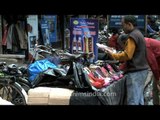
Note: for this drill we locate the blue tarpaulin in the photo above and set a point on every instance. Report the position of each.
(39, 66)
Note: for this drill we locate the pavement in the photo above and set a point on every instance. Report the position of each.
(19, 60)
(5, 102)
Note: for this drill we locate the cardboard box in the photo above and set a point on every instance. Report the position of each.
(38, 96)
(49, 96)
(59, 96)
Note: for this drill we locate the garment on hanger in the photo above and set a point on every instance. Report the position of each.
(21, 36)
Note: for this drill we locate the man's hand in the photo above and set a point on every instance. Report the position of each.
(109, 54)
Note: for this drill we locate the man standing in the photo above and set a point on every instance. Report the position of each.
(136, 63)
(153, 58)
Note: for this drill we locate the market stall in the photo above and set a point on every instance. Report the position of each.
(115, 94)
(110, 95)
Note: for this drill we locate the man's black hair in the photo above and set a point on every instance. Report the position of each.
(130, 18)
(122, 39)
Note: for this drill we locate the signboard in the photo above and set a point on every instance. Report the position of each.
(32, 26)
(84, 36)
(115, 21)
(49, 29)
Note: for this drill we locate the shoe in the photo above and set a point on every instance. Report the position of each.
(107, 82)
(97, 74)
(87, 70)
(112, 72)
(105, 72)
(91, 75)
(99, 71)
(115, 77)
(96, 79)
(110, 69)
(96, 84)
(120, 76)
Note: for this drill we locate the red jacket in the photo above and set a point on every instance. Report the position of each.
(153, 56)
(112, 42)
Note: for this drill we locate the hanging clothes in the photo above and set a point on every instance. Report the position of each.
(14, 38)
(22, 36)
(4, 39)
(15, 41)
(9, 37)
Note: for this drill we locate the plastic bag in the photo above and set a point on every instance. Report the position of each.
(54, 59)
(39, 66)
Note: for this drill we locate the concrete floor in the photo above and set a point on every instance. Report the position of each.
(4, 102)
